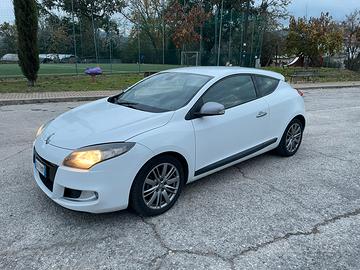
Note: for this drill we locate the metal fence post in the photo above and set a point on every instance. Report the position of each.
(74, 36)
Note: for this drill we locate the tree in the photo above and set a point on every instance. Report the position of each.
(184, 23)
(91, 16)
(275, 8)
(54, 34)
(274, 45)
(241, 19)
(147, 19)
(99, 9)
(314, 37)
(351, 27)
(8, 38)
(26, 20)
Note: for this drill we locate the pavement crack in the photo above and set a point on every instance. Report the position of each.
(275, 189)
(13, 155)
(57, 245)
(243, 174)
(161, 257)
(171, 251)
(314, 230)
(334, 157)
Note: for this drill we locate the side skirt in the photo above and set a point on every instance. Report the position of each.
(235, 157)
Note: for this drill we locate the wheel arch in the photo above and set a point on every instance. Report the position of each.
(301, 118)
(179, 157)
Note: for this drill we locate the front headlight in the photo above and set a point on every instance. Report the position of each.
(42, 128)
(85, 158)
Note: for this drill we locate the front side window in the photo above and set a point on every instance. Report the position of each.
(265, 85)
(231, 91)
(167, 91)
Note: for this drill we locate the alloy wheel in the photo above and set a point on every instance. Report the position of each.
(293, 137)
(161, 186)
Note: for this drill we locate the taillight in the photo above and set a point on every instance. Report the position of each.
(301, 93)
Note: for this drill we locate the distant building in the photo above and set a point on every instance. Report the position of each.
(44, 58)
(10, 58)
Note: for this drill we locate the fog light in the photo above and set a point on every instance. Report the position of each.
(72, 193)
(80, 195)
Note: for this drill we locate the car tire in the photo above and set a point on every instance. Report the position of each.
(291, 139)
(157, 186)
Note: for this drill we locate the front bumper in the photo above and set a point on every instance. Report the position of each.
(103, 188)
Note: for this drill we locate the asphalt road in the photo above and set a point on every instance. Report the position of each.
(301, 212)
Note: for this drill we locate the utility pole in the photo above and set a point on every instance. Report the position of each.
(110, 50)
(220, 32)
(94, 34)
(163, 32)
(183, 46)
(201, 43)
(201, 37)
(80, 33)
(230, 41)
(245, 33)
(216, 31)
(138, 36)
(74, 36)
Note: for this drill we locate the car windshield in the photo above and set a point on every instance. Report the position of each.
(167, 91)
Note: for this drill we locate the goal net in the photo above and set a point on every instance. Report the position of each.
(190, 58)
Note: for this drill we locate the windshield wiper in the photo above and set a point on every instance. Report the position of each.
(135, 105)
(126, 103)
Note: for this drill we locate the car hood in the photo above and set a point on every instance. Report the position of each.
(100, 122)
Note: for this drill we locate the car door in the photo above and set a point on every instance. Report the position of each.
(221, 138)
(265, 87)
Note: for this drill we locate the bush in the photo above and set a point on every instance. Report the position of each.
(329, 63)
(353, 64)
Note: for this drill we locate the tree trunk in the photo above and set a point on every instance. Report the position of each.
(31, 83)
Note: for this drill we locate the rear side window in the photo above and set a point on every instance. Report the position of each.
(231, 91)
(265, 85)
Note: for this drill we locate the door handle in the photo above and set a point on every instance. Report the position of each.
(261, 114)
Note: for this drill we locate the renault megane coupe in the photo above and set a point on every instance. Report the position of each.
(140, 147)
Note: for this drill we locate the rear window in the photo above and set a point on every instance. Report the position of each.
(265, 85)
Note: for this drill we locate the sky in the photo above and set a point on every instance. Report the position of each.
(299, 8)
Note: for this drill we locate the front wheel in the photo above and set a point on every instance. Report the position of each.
(291, 139)
(157, 186)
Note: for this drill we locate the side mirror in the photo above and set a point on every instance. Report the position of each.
(211, 108)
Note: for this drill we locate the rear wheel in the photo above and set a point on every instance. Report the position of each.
(291, 139)
(157, 186)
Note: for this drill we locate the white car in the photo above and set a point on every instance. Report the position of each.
(140, 147)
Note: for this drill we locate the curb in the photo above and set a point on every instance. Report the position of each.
(326, 87)
(7, 102)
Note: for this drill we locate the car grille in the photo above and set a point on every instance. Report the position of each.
(51, 169)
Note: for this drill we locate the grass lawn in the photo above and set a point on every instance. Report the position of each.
(13, 70)
(70, 83)
(327, 74)
(60, 77)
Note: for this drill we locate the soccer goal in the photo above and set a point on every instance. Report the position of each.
(190, 58)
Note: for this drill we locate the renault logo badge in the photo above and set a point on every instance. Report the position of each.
(47, 141)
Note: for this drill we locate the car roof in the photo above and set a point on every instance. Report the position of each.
(219, 72)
